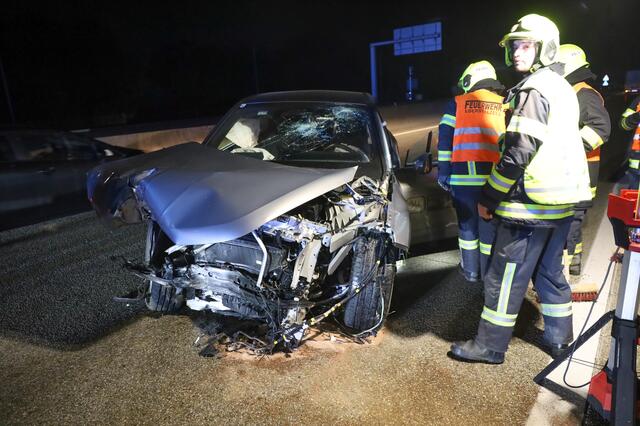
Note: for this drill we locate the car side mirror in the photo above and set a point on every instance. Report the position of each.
(429, 162)
(424, 164)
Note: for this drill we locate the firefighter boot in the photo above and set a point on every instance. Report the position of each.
(576, 264)
(469, 276)
(558, 349)
(471, 351)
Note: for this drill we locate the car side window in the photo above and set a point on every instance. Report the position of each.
(37, 148)
(80, 149)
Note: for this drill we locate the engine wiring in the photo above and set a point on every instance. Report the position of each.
(286, 335)
(286, 312)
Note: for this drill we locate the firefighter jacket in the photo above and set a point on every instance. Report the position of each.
(631, 120)
(468, 135)
(595, 125)
(543, 171)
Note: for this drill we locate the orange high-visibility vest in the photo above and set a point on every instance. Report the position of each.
(479, 124)
(636, 136)
(593, 155)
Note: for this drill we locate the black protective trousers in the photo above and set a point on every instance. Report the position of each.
(521, 253)
(574, 240)
(475, 235)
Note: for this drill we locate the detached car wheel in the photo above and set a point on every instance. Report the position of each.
(365, 312)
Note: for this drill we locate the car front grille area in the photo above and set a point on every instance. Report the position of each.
(242, 254)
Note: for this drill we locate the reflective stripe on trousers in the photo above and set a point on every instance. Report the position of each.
(517, 253)
(475, 234)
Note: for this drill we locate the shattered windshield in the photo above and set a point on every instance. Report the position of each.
(298, 132)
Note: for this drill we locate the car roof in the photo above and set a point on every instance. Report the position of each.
(39, 131)
(330, 96)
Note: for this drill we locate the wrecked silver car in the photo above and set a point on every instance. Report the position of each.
(288, 213)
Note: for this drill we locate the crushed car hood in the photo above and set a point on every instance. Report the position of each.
(200, 195)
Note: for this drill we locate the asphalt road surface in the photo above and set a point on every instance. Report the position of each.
(70, 355)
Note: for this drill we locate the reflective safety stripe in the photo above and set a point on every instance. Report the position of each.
(548, 189)
(471, 166)
(505, 287)
(444, 155)
(479, 123)
(578, 248)
(476, 146)
(534, 211)
(468, 180)
(500, 319)
(476, 131)
(624, 125)
(527, 126)
(560, 160)
(634, 164)
(448, 120)
(593, 191)
(623, 121)
(592, 138)
(485, 248)
(499, 182)
(556, 310)
(552, 191)
(468, 244)
(566, 260)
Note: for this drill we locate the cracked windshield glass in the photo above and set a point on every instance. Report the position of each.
(295, 132)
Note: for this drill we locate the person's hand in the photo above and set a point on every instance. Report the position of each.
(443, 181)
(484, 212)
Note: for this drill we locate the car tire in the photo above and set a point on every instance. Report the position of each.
(362, 313)
(159, 298)
(163, 298)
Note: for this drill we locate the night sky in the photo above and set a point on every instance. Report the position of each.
(95, 64)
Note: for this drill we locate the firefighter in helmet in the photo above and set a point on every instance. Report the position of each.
(595, 128)
(532, 191)
(467, 151)
(630, 120)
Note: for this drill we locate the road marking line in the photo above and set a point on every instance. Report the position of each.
(406, 132)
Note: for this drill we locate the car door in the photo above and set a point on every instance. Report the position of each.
(82, 156)
(433, 219)
(27, 175)
(398, 213)
(15, 191)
